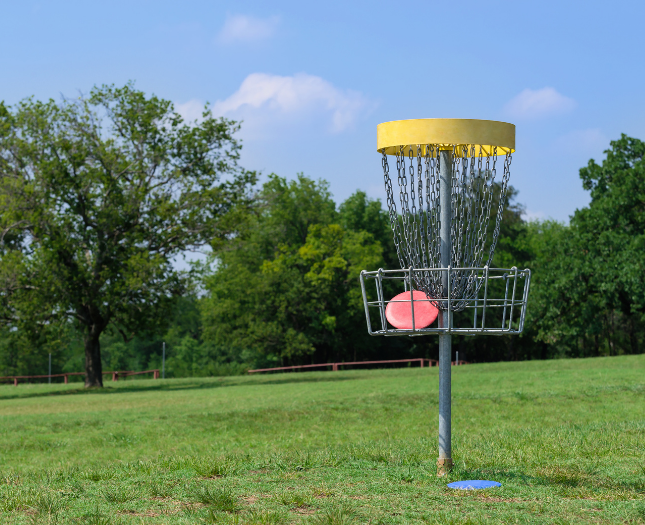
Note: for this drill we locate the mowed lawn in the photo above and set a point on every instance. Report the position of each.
(566, 439)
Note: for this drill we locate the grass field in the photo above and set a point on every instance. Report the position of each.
(565, 438)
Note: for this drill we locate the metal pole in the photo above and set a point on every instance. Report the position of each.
(444, 463)
(163, 362)
(49, 379)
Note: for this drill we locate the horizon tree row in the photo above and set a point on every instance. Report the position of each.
(98, 196)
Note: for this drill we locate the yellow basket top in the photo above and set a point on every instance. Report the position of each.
(446, 132)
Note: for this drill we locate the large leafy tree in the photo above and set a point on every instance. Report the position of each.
(590, 296)
(97, 196)
(610, 235)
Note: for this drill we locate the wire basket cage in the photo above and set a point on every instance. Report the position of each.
(499, 308)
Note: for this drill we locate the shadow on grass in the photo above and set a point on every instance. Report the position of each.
(189, 384)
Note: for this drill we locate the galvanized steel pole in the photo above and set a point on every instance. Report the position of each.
(444, 463)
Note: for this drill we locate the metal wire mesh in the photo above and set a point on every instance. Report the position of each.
(416, 228)
(498, 309)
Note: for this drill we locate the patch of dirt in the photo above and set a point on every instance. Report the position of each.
(147, 514)
(304, 510)
(358, 497)
(251, 499)
(172, 501)
(495, 499)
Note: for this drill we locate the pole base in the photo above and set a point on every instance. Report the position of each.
(444, 466)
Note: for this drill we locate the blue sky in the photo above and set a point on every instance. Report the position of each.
(311, 80)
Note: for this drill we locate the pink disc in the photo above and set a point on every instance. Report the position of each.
(399, 314)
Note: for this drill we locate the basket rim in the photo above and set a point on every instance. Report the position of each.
(446, 133)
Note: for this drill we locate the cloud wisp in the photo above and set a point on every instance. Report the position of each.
(538, 103)
(530, 216)
(191, 111)
(245, 29)
(274, 98)
(590, 141)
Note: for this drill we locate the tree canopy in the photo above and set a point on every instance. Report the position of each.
(286, 288)
(97, 195)
(591, 291)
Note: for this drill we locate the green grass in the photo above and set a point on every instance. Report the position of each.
(565, 438)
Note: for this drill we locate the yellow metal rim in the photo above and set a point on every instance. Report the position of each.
(485, 135)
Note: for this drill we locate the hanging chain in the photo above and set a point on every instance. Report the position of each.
(391, 205)
(502, 203)
(416, 229)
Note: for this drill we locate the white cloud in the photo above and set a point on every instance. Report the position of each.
(241, 28)
(191, 110)
(539, 103)
(272, 98)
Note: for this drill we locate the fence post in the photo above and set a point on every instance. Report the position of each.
(65, 378)
(115, 376)
(334, 367)
(421, 362)
(15, 381)
(155, 374)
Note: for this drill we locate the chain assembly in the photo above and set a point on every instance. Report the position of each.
(475, 194)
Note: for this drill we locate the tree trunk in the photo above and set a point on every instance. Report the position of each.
(611, 333)
(93, 366)
(462, 349)
(633, 338)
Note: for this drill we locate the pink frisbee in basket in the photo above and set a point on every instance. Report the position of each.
(399, 314)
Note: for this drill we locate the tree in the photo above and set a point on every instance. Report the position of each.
(359, 213)
(611, 234)
(97, 195)
(589, 298)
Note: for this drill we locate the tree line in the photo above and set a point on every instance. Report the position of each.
(100, 195)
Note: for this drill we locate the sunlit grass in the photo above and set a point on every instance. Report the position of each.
(565, 438)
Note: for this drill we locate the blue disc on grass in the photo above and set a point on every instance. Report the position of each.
(474, 484)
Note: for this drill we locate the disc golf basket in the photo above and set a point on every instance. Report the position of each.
(446, 207)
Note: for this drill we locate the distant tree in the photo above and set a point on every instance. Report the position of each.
(286, 290)
(97, 196)
(359, 213)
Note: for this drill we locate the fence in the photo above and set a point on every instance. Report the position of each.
(155, 373)
(115, 375)
(334, 366)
